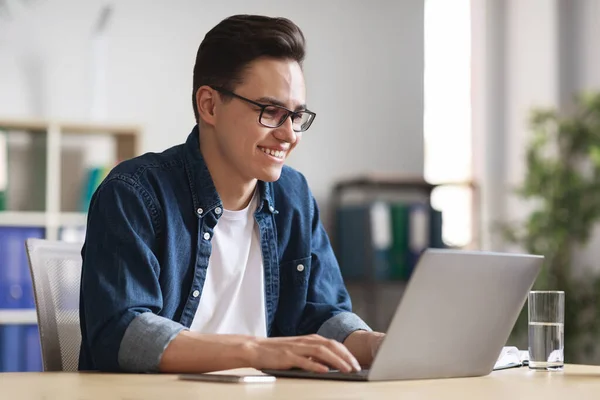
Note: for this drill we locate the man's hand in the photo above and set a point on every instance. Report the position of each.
(191, 352)
(312, 353)
(364, 345)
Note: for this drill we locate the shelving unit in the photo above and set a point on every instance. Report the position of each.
(44, 197)
(375, 298)
(18, 317)
(22, 218)
(42, 219)
(53, 135)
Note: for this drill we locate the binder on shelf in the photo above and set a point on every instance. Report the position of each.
(16, 289)
(437, 221)
(95, 176)
(419, 233)
(11, 348)
(20, 349)
(351, 257)
(399, 251)
(32, 350)
(400, 232)
(381, 239)
(355, 248)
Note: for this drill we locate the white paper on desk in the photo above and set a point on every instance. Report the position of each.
(511, 356)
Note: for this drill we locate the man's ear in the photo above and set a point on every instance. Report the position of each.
(206, 100)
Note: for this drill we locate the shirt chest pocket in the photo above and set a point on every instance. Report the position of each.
(293, 290)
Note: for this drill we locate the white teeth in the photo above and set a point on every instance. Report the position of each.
(274, 153)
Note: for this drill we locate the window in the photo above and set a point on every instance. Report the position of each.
(447, 115)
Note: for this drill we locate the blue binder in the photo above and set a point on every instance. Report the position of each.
(11, 355)
(19, 344)
(354, 246)
(16, 290)
(437, 222)
(32, 349)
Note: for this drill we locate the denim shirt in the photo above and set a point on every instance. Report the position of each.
(146, 253)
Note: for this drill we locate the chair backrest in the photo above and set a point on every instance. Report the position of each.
(56, 272)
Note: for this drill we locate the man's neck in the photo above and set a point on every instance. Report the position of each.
(235, 196)
(235, 191)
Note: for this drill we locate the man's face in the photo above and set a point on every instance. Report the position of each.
(242, 140)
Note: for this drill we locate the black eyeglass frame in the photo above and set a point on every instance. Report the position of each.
(263, 107)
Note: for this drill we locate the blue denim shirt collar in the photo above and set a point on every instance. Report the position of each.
(199, 177)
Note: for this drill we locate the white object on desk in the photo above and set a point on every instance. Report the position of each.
(511, 357)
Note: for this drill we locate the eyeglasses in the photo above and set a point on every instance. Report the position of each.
(273, 116)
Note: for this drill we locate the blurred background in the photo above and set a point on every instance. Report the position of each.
(470, 124)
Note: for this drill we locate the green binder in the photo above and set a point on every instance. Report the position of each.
(399, 251)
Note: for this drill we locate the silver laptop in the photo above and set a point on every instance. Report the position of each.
(455, 316)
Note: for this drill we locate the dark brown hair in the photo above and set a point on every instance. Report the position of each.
(238, 40)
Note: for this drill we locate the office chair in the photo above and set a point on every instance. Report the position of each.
(55, 269)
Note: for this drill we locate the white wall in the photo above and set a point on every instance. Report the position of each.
(364, 71)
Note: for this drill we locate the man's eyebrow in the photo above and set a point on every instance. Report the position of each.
(276, 102)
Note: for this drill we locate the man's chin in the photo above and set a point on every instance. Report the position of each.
(270, 175)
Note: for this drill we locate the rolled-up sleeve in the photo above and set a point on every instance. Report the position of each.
(341, 325)
(120, 291)
(144, 341)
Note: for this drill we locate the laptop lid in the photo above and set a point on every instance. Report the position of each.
(456, 314)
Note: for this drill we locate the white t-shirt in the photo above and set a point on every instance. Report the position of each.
(233, 297)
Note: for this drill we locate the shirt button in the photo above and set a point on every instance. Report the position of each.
(218, 210)
(196, 293)
(199, 211)
(271, 208)
(206, 235)
(300, 267)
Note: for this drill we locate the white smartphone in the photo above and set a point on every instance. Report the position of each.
(229, 378)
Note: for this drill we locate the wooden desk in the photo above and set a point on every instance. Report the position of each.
(574, 382)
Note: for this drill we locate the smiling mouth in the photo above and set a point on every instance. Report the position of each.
(280, 154)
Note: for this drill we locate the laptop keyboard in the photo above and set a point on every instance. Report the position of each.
(331, 374)
(361, 373)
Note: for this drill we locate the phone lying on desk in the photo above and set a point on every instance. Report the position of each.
(229, 378)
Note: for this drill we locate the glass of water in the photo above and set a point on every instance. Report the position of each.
(546, 330)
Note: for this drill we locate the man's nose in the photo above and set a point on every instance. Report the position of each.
(286, 132)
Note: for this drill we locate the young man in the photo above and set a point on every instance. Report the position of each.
(211, 255)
